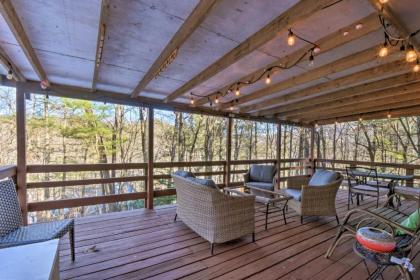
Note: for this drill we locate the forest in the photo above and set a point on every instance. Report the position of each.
(67, 131)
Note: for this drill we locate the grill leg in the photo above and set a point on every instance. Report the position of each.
(284, 216)
(211, 248)
(176, 215)
(71, 239)
(301, 219)
(253, 237)
(338, 221)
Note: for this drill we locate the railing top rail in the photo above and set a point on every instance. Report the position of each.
(38, 168)
(368, 163)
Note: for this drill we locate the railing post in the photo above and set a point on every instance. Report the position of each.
(312, 151)
(278, 155)
(228, 150)
(409, 172)
(150, 127)
(21, 150)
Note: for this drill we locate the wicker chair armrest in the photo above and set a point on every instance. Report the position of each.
(297, 182)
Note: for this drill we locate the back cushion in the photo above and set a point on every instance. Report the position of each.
(262, 173)
(184, 174)
(323, 177)
(205, 182)
(10, 215)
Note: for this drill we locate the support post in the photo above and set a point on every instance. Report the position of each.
(228, 150)
(409, 172)
(312, 150)
(278, 155)
(21, 150)
(150, 154)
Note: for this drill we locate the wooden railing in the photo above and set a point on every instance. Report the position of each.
(161, 170)
(137, 172)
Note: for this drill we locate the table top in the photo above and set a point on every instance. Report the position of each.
(33, 261)
(263, 196)
(390, 176)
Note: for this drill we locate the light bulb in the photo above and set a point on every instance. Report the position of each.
(192, 101)
(237, 92)
(416, 67)
(383, 1)
(389, 115)
(231, 107)
(345, 33)
(216, 100)
(291, 38)
(411, 55)
(360, 119)
(268, 80)
(311, 60)
(9, 75)
(317, 50)
(44, 84)
(359, 26)
(383, 51)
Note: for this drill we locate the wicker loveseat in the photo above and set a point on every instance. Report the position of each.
(214, 215)
(314, 196)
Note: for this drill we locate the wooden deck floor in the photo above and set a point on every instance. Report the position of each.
(148, 244)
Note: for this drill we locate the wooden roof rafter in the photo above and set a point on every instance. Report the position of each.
(299, 11)
(100, 42)
(342, 82)
(375, 96)
(352, 91)
(9, 14)
(193, 21)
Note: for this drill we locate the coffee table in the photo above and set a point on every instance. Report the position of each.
(276, 199)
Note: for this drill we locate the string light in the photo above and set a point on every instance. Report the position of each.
(383, 1)
(268, 79)
(360, 119)
(411, 54)
(291, 38)
(416, 67)
(389, 115)
(237, 91)
(345, 33)
(231, 107)
(192, 101)
(384, 50)
(358, 26)
(311, 60)
(9, 75)
(216, 100)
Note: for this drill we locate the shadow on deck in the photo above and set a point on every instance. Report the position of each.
(148, 244)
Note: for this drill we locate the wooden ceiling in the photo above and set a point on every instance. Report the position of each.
(158, 52)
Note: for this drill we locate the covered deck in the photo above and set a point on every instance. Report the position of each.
(285, 64)
(147, 244)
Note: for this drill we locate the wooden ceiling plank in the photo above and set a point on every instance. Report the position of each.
(327, 43)
(299, 11)
(389, 15)
(379, 105)
(99, 42)
(6, 62)
(391, 93)
(193, 21)
(9, 14)
(343, 93)
(346, 81)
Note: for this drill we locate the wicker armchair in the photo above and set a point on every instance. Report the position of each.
(312, 199)
(214, 215)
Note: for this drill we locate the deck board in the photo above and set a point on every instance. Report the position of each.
(145, 244)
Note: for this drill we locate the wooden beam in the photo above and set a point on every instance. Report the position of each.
(194, 20)
(6, 62)
(299, 11)
(327, 43)
(124, 99)
(21, 150)
(100, 40)
(408, 100)
(12, 19)
(402, 112)
(346, 81)
(228, 151)
(347, 92)
(389, 15)
(150, 155)
(328, 107)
